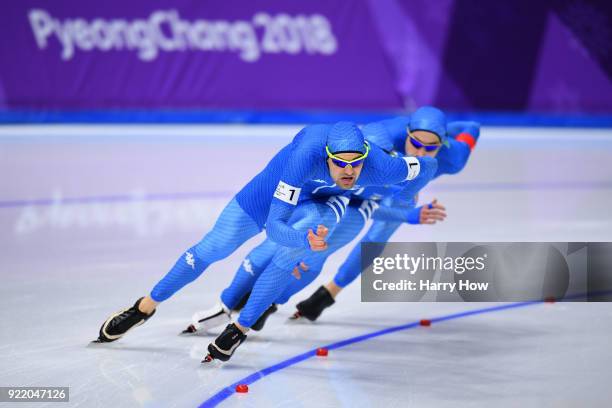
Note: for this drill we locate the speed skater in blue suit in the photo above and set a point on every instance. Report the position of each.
(452, 158)
(286, 190)
(276, 276)
(426, 136)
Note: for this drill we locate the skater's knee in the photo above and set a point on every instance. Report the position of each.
(215, 247)
(251, 267)
(194, 262)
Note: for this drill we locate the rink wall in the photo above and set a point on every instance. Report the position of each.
(240, 61)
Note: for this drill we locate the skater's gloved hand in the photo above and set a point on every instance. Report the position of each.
(467, 132)
(296, 270)
(317, 241)
(428, 214)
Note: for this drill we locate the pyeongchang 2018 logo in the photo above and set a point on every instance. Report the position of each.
(166, 31)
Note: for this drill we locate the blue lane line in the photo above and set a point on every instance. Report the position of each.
(479, 186)
(228, 391)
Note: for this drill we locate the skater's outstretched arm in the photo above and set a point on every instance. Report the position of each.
(463, 137)
(382, 169)
(404, 199)
(424, 214)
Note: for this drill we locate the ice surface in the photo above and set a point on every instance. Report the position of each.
(92, 216)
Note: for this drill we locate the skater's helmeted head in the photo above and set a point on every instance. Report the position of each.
(346, 150)
(426, 132)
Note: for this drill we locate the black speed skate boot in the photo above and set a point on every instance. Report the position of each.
(259, 324)
(312, 307)
(121, 322)
(224, 346)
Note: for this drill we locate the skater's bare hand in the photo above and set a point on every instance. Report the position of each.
(432, 213)
(317, 241)
(322, 231)
(296, 270)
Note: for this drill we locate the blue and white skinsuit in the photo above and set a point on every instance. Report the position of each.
(287, 200)
(388, 205)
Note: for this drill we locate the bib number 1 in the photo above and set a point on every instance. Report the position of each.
(414, 167)
(287, 193)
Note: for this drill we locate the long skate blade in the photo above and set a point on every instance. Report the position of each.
(208, 359)
(97, 342)
(189, 330)
(296, 316)
(298, 319)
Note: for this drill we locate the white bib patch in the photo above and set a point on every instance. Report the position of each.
(287, 193)
(414, 167)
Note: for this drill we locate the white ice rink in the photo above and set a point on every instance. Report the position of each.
(92, 216)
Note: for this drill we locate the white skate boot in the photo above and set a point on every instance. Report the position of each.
(216, 316)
